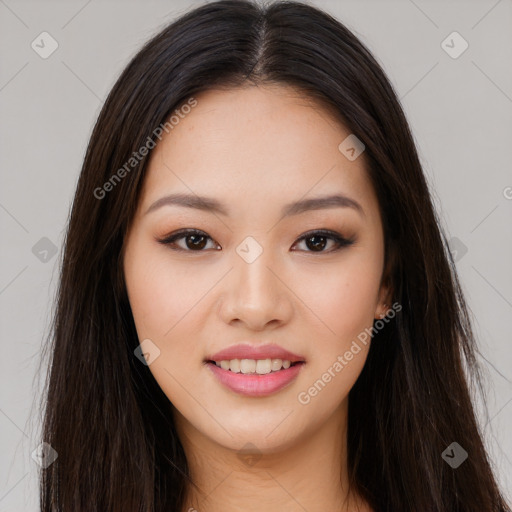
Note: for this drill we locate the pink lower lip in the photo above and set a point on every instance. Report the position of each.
(255, 385)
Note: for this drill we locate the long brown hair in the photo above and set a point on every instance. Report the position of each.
(106, 416)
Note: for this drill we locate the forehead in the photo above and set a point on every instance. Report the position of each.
(254, 144)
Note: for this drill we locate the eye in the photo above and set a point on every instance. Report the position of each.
(195, 240)
(315, 241)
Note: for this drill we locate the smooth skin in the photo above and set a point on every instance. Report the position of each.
(256, 149)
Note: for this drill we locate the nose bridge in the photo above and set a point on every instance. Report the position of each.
(255, 295)
(255, 280)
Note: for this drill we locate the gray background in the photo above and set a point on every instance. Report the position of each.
(460, 110)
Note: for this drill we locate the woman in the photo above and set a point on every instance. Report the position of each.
(257, 307)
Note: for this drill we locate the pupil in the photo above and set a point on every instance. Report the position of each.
(316, 245)
(198, 242)
(195, 243)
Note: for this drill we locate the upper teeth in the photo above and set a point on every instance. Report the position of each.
(260, 366)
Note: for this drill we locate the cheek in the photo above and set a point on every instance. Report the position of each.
(344, 301)
(161, 293)
(343, 296)
(169, 302)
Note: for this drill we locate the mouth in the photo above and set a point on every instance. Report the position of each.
(255, 366)
(255, 370)
(255, 378)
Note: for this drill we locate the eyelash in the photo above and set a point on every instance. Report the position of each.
(341, 242)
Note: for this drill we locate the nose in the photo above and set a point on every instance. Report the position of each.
(256, 294)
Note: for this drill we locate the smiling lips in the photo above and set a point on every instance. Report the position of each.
(255, 370)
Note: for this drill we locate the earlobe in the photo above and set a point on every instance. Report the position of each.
(382, 314)
(386, 288)
(382, 310)
(385, 299)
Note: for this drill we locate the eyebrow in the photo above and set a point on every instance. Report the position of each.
(210, 204)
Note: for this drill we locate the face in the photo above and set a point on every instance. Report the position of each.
(248, 268)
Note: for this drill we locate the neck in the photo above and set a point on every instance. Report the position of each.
(308, 474)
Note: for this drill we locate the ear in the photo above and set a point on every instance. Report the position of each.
(386, 290)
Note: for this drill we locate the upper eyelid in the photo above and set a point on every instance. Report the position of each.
(337, 237)
(185, 232)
